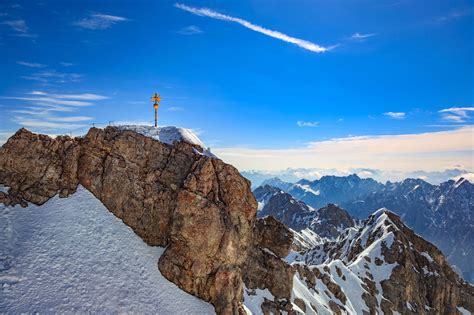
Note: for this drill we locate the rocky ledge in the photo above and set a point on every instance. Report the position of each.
(171, 194)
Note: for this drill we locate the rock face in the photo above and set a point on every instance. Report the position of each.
(37, 167)
(171, 195)
(265, 267)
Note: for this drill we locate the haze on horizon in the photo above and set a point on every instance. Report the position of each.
(380, 85)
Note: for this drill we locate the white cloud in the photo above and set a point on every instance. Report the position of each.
(70, 118)
(275, 34)
(362, 36)
(52, 100)
(84, 96)
(456, 114)
(395, 115)
(307, 123)
(31, 64)
(40, 116)
(433, 151)
(4, 135)
(17, 25)
(189, 30)
(468, 176)
(174, 109)
(66, 64)
(453, 118)
(131, 122)
(37, 93)
(99, 21)
(44, 124)
(53, 76)
(20, 28)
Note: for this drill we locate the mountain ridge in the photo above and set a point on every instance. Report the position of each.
(443, 214)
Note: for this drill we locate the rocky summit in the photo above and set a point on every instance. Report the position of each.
(172, 195)
(177, 195)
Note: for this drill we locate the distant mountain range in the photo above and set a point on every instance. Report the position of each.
(442, 214)
(292, 175)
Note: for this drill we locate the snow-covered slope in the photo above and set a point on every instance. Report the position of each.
(73, 255)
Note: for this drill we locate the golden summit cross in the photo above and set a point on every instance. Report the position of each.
(156, 98)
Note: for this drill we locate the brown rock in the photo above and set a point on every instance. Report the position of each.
(37, 167)
(273, 235)
(199, 207)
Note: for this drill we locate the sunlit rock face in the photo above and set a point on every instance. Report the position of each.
(171, 194)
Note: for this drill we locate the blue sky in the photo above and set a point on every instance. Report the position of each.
(277, 76)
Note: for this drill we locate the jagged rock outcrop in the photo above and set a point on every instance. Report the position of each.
(327, 222)
(274, 202)
(265, 267)
(37, 167)
(171, 195)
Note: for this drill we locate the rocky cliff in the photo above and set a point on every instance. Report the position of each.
(172, 195)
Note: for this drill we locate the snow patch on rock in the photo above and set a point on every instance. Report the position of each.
(4, 189)
(168, 134)
(253, 299)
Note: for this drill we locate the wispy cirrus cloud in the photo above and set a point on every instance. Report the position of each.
(98, 21)
(31, 64)
(275, 34)
(84, 96)
(45, 124)
(454, 15)
(190, 30)
(396, 115)
(358, 36)
(4, 135)
(67, 64)
(53, 76)
(301, 123)
(17, 25)
(456, 114)
(52, 100)
(174, 109)
(45, 111)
